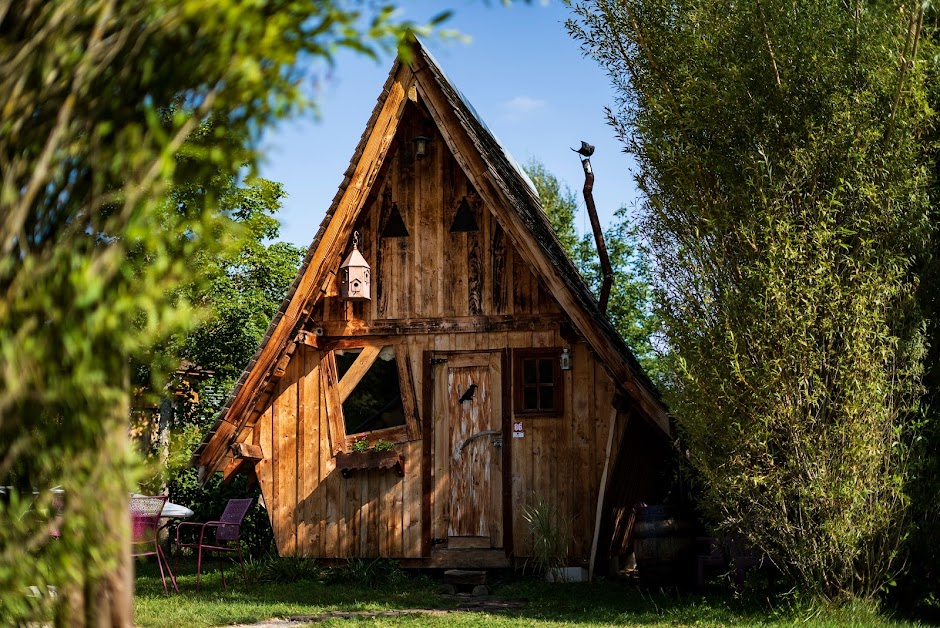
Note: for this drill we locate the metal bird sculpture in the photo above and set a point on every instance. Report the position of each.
(468, 394)
(586, 149)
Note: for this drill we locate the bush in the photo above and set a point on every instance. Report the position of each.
(367, 573)
(274, 569)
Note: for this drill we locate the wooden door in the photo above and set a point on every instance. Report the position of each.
(467, 490)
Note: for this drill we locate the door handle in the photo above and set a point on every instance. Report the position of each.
(467, 440)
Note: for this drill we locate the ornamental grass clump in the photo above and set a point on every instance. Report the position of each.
(550, 534)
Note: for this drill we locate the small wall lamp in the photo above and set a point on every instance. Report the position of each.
(421, 146)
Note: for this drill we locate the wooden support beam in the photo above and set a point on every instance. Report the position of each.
(282, 363)
(409, 401)
(334, 406)
(307, 338)
(602, 489)
(217, 446)
(328, 282)
(468, 324)
(231, 468)
(357, 371)
(247, 451)
(427, 390)
(264, 399)
(508, 538)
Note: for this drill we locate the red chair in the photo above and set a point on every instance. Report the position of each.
(145, 531)
(227, 530)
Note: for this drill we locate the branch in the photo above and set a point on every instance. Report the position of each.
(13, 226)
(770, 48)
(915, 25)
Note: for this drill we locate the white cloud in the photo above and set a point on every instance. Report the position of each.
(523, 104)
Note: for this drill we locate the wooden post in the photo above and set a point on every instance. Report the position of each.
(602, 489)
(167, 414)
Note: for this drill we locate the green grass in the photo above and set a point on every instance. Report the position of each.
(602, 604)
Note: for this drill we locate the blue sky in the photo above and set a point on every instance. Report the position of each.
(521, 71)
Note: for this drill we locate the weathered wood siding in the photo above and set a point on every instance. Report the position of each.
(434, 273)
(316, 512)
(463, 279)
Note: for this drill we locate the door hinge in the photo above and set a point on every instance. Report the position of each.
(435, 362)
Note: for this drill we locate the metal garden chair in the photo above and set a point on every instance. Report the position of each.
(145, 529)
(225, 537)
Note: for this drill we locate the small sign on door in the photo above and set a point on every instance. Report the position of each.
(517, 431)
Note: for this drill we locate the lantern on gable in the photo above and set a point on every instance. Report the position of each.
(355, 275)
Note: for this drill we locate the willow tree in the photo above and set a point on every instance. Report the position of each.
(100, 100)
(777, 144)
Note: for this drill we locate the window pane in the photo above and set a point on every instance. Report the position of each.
(530, 399)
(546, 372)
(375, 403)
(546, 397)
(529, 375)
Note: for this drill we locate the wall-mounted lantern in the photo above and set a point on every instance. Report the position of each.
(355, 275)
(566, 359)
(421, 146)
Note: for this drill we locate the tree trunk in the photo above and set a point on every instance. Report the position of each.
(105, 598)
(167, 414)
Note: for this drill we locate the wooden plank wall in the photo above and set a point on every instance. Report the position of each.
(431, 274)
(434, 273)
(316, 512)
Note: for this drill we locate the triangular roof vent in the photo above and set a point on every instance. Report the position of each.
(464, 221)
(395, 225)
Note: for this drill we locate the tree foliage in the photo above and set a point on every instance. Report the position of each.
(922, 579)
(102, 101)
(630, 304)
(778, 151)
(245, 287)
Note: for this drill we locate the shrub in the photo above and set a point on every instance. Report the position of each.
(274, 569)
(367, 573)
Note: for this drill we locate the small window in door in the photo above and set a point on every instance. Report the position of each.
(537, 385)
(375, 402)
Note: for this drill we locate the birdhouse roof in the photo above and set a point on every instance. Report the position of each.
(494, 173)
(354, 258)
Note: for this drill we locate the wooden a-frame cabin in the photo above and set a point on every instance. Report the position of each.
(482, 357)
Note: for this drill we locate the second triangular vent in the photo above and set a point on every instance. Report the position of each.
(464, 220)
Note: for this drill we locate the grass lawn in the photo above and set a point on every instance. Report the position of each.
(602, 604)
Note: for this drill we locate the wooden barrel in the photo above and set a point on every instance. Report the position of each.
(664, 547)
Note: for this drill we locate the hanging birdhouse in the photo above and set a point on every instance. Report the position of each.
(355, 275)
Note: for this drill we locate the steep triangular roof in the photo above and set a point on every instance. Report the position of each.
(498, 179)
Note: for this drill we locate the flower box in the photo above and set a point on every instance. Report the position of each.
(366, 460)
